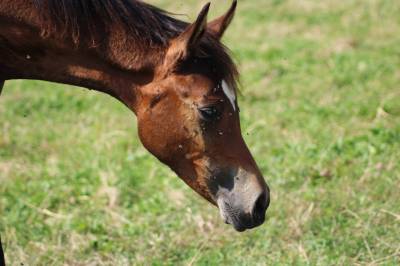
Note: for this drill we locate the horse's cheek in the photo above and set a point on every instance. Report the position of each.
(154, 137)
(148, 136)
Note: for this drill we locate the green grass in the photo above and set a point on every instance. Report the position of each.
(320, 112)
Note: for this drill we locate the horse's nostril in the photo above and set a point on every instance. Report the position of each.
(260, 207)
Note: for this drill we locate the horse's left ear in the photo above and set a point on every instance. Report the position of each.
(219, 25)
(187, 41)
(182, 46)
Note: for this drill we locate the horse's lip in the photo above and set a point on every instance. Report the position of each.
(240, 222)
(236, 224)
(240, 227)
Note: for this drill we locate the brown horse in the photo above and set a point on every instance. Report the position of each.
(176, 77)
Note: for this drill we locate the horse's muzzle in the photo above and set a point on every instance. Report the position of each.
(242, 213)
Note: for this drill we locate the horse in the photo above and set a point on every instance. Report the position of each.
(176, 77)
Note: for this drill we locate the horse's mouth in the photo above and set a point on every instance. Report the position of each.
(240, 221)
(242, 226)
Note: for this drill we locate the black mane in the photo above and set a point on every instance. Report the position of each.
(82, 17)
(83, 20)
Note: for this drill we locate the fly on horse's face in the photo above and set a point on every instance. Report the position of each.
(189, 119)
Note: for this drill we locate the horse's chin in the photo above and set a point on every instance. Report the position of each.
(240, 221)
(229, 217)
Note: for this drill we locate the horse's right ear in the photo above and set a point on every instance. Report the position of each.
(218, 26)
(186, 42)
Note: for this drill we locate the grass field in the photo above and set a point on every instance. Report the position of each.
(320, 111)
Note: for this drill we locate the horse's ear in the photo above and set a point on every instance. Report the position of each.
(219, 25)
(188, 39)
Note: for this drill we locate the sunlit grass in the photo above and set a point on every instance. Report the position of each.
(320, 111)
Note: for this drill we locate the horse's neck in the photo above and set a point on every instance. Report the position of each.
(25, 54)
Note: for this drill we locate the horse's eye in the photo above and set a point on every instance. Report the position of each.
(210, 113)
